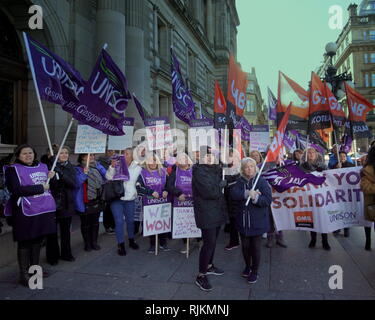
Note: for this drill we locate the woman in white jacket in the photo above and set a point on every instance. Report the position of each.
(126, 205)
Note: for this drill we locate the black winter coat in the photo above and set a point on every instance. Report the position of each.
(62, 189)
(232, 205)
(252, 220)
(209, 201)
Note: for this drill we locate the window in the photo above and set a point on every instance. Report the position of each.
(372, 34)
(251, 87)
(372, 57)
(372, 79)
(367, 80)
(365, 58)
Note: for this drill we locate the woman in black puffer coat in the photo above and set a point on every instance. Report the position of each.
(210, 214)
(62, 189)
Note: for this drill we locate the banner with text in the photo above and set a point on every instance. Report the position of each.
(336, 204)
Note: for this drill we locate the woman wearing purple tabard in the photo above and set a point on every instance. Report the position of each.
(31, 208)
(152, 184)
(179, 182)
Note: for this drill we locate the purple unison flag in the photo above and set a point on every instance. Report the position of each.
(57, 81)
(290, 176)
(290, 140)
(347, 143)
(245, 128)
(105, 99)
(272, 105)
(139, 108)
(122, 172)
(183, 104)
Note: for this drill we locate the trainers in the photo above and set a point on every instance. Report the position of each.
(151, 249)
(281, 243)
(215, 271)
(253, 278)
(246, 272)
(230, 247)
(203, 284)
(109, 231)
(164, 248)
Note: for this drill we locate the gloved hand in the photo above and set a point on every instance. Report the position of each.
(251, 193)
(223, 184)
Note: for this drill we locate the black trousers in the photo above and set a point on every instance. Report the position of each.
(108, 220)
(206, 256)
(52, 243)
(324, 236)
(251, 251)
(90, 227)
(162, 239)
(234, 239)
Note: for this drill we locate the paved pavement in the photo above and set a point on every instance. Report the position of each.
(294, 273)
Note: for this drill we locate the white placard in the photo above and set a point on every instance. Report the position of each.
(157, 219)
(122, 142)
(184, 225)
(159, 136)
(259, 141)
(90, 140)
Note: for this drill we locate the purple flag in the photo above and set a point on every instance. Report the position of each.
(57, 81)
(245, 128)
(290, 176)
(183, 104)
(139, 108)
(122, 172)
(272, 106)
(105, 99)
(290, 140)
(347, 143)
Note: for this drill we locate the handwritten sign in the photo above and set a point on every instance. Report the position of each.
(157, 219)
(184, 225)
(259, 138)
(90, 140)
(125, 141)
(158, 131)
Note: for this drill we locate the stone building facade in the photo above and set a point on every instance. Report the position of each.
(255, 111)
(139, 34)
(356, 55)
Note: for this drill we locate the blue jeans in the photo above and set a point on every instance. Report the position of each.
(120, 209)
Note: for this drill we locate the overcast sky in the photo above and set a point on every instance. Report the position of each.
(286, 35)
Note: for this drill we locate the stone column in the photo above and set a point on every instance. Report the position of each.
(111, 29)
(135, 51)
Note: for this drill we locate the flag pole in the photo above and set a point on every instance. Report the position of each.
(225, 150)
(257, 179)
(355, 150)
(61, 147)
(32, 69)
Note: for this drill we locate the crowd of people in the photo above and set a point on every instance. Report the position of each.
(43, 201)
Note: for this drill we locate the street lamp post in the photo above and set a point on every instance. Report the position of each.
(336, 81)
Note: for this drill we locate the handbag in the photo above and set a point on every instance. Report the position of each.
(94, 206)
(113, 190)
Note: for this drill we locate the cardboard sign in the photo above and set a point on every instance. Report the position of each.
(184, 225)
(158, 131)
(157, 219)
(90, 140)
(259, 138)
(125, 141)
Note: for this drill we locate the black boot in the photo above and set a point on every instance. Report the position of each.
(23, 256)
(325, 243)
(368, 238)
(86, 238)
(346, 232)
(313, 240)
(121, 249)
(133, 244)
(94, 233)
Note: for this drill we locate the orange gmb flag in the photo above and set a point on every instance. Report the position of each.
(220, 103)
(319, 110)
(337, 111)
(277, 143)
(291, 92)
(358, 108)
(237, 85)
